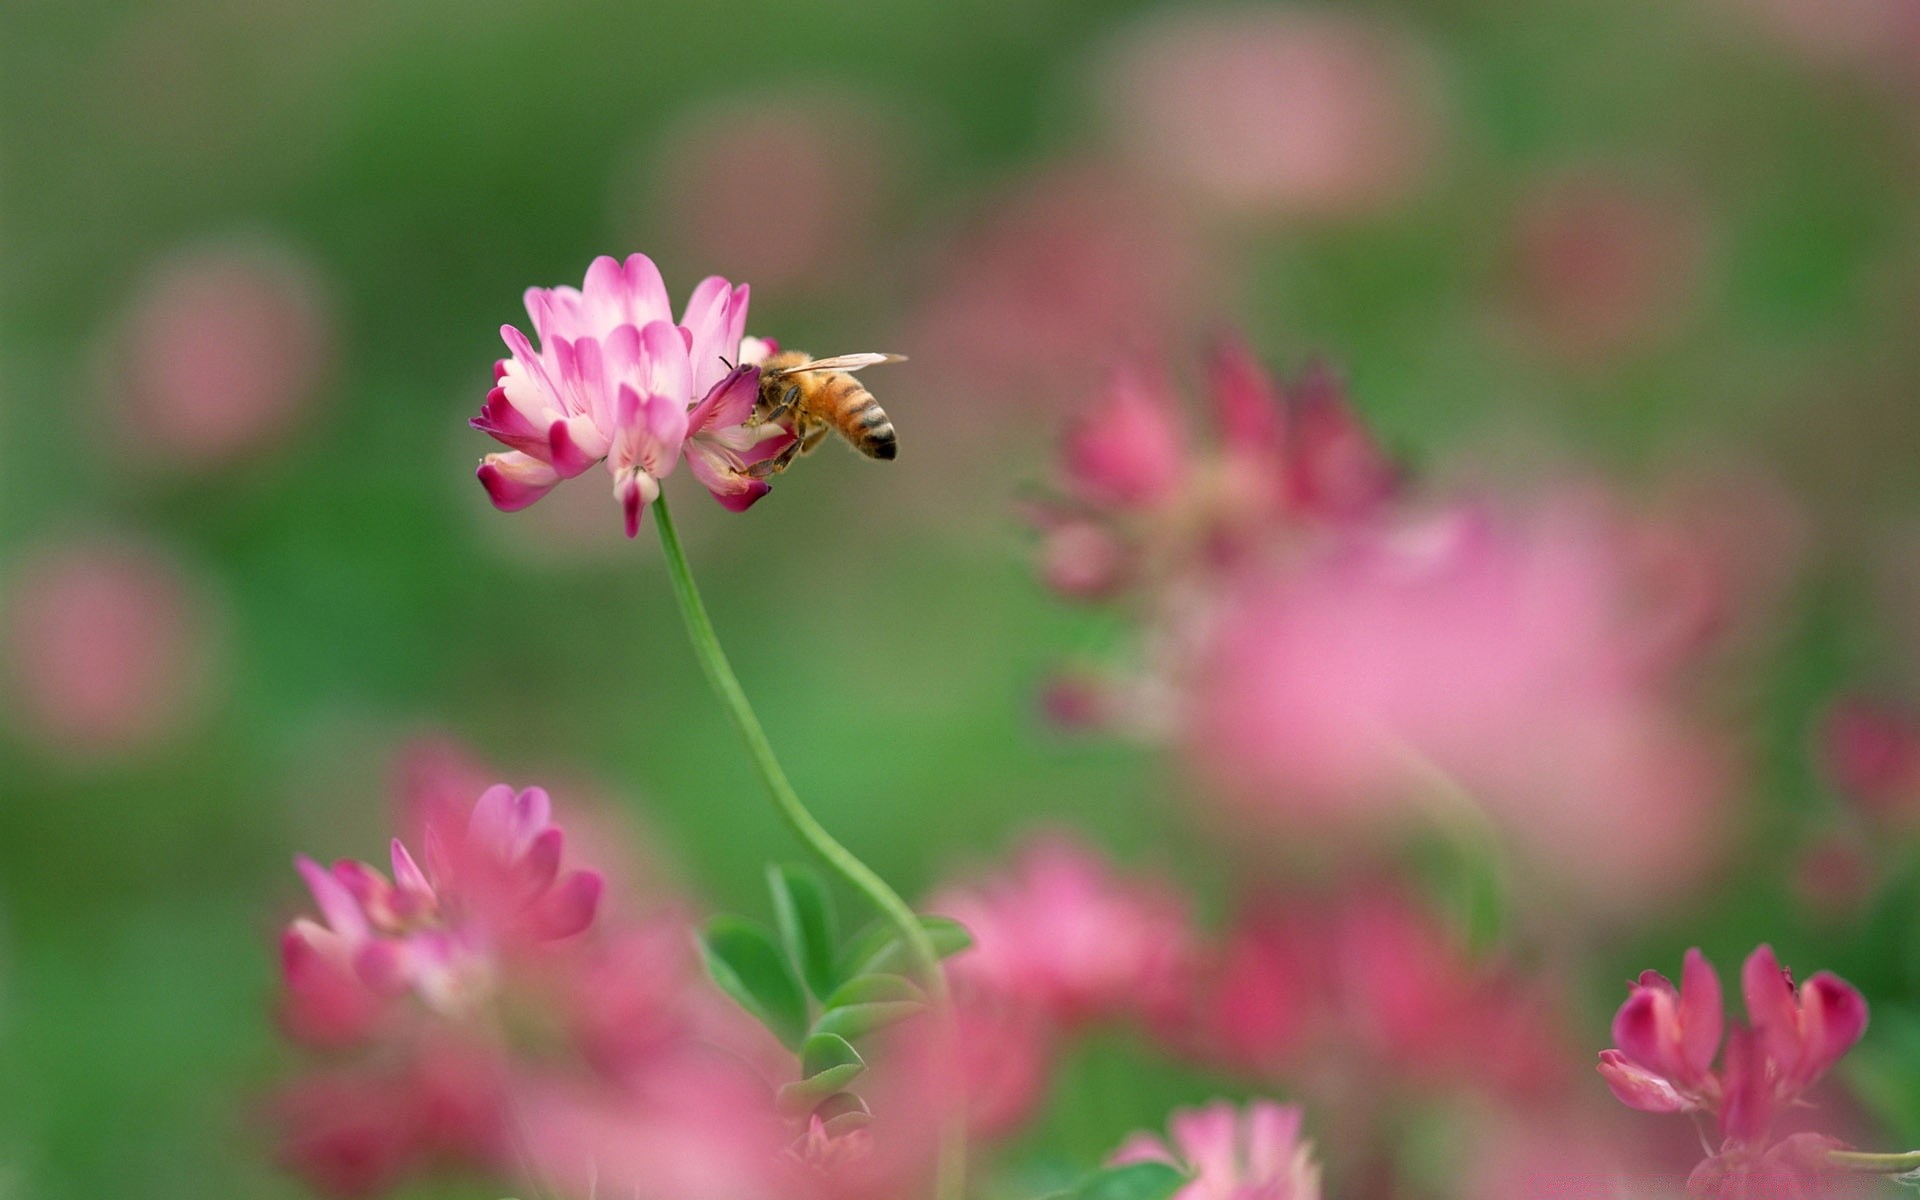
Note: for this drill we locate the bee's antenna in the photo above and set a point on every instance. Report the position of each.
(723, 362)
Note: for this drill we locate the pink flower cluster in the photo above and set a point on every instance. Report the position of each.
(1367, 983)
(1668, 1038)
(1255, 1154)
(1061, 942)
(1327, 655)
(472, 1011)
(1140, 505)
(488, 892)
(616, 379)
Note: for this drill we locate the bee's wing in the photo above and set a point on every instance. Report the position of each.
(840, 362)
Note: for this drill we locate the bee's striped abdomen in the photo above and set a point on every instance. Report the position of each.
(860, 418)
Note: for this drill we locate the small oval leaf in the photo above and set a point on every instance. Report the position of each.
(826, 1052)
(804, 913)
(875, 989)
(858, 1020)
(843, 1112)
(878, 948)
(743, 960)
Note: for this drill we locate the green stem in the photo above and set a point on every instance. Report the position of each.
(842, 861)
(1875, 1164)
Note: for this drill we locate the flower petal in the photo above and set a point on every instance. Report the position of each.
(514, 480)
(342, 912)
(1637, 1087)
(569, 907)
(1700, 1016)
(728, 402)
(1833, 1017)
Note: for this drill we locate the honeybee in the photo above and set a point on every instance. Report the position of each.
(812, 396)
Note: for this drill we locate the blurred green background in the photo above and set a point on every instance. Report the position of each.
(426, 161)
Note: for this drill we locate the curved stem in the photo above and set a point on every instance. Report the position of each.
(842, 861)
(1876, 1164)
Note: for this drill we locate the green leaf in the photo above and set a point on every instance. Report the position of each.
(843, 1113)
(860, 1006)
(878, 948)
(804, 914)
(827, 1064)
(868, 1003)
(876, 989)
(1135, 1181)
(746, 964)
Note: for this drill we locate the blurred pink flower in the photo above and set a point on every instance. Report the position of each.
(1139, 505)
(1834, 875)
(107, 647)
(1870, 751)
(1254, 1153)
(1065, 268)
(1604, 263)
(1062, 934)
(360, 1131)
(487, 990)
(1514, 657)
(1376, 987)
(616, 380)
(1288, 111)
(219, 351)
(1794, 1168)
(1881, 37)
(697, 1127)
(1554, 1156)
(815, 226)
(1668, 1038)
(440, 932)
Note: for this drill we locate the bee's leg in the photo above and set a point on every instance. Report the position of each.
(779, 411)
(807, 443)
(767, 467)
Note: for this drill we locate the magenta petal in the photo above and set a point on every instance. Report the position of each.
(526, 356)
(1749, 1099)
(728, 403)
(568, 907)
(490, 825)
(635, 489)
(1771, 1008)
(1636, 1087)
(336, 903)
(382, 966)
(532, 812)
(514, 480)
(664, 367)
(540, 865)
(1700, 1015)
(1246, 402)
(568, 458)
(1646, 1031)
(646, 291)
(500, 420)
(407, 874)
(744, 497)
(1833, 1017)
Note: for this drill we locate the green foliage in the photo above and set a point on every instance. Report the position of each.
(879, 948)
(828, 1062)
(837, 1002)
(805, 916)
(748, 965)
(1134, 1181)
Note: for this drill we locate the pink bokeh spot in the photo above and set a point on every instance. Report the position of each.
(221, 350)
(1285, 111)
(106, 646)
